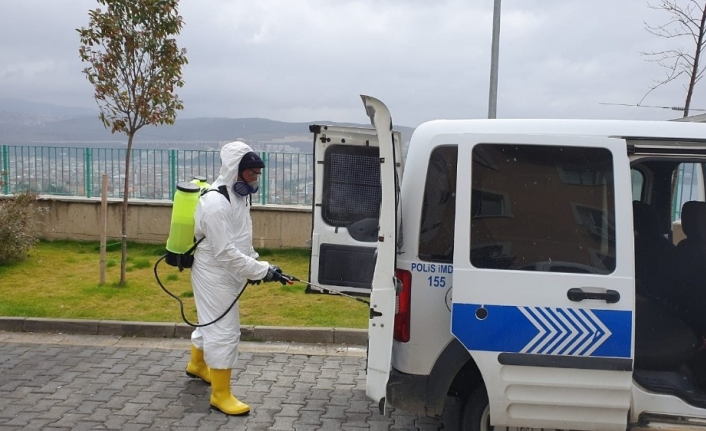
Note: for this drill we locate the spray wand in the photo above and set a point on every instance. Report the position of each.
(337, 292)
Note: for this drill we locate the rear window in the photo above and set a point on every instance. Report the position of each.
(543, 208)
(352, 190)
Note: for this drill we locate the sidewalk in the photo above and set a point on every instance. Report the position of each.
(176, 331)
(73, 382)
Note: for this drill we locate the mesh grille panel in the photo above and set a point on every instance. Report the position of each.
(351, 185)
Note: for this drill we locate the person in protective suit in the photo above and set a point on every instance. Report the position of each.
(223, 263)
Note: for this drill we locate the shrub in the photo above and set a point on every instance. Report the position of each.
(18, 232)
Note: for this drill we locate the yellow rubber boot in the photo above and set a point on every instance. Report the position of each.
(221, 398)
(197, 367)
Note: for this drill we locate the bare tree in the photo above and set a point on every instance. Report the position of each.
(135, 65)
(686, 19)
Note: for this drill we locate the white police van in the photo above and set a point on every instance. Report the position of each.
(528, 271)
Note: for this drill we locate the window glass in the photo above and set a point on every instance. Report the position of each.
(352, 189)
(543, 208)
(638, 184)
(685, 186)
(436, 233)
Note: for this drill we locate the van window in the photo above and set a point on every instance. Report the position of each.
(543, 208)
(685, 185)
(351, 185)
(638, 184)
(436, 233)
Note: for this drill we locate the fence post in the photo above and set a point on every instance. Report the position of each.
(5, 169)
(88, 171)
(173, 157)
(265, 181)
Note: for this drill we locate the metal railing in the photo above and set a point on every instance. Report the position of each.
(287, 179)
(71, 171)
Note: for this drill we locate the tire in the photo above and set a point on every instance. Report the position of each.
(475, 415)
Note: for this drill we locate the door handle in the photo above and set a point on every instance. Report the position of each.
(577, 294)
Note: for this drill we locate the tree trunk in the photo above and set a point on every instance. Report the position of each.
(126, 194)
(695, 69)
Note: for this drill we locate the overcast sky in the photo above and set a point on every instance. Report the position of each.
(306, 60)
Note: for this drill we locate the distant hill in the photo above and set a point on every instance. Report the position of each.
(29, 123)
(42, 109)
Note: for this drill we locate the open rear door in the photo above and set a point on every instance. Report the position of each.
(347, 203)
(354, 234)
(383, 295)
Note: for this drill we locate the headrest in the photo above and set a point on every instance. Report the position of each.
(645, 219)
(693, 219)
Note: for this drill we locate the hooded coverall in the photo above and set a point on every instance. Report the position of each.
(223, 262)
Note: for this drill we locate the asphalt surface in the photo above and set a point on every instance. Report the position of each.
(117, 382)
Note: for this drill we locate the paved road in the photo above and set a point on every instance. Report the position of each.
(70, 382)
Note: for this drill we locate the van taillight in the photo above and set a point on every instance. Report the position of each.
(402, 306)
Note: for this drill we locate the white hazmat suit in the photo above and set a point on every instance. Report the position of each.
(223, 262)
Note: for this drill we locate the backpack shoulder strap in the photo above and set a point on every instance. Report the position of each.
(224, 191)
(221, 189)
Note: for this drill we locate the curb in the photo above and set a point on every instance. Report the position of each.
(311, 335)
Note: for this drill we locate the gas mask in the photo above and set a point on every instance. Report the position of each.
(243, 189)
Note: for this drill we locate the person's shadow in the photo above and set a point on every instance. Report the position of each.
(195, 396)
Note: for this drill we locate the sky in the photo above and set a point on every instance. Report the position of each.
(309, 60)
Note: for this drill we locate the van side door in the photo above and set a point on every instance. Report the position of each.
(543, 295)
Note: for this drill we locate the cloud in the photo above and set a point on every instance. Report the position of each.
(310, 59)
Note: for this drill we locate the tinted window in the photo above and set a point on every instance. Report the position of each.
(638, 184)
(351, 184)
(436, 233)
(543, 208)
(685, 186)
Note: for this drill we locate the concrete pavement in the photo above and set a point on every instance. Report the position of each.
(58, 381)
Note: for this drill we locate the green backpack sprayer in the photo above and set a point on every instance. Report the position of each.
(181, 243)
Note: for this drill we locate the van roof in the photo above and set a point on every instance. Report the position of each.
(629, 129)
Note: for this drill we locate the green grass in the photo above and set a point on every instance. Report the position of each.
(60, 279)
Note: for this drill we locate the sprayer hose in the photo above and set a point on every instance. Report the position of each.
(181, 304)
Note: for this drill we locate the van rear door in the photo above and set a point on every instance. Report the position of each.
(347, 202)
(543, 295)
(384, 288)
(355, 220)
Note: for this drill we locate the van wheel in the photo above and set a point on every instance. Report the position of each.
(476, 411)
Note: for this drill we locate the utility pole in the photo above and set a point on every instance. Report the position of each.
(494, 55)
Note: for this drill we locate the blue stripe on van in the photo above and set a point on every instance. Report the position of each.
(543, 330)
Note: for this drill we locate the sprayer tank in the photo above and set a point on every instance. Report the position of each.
(181, 229)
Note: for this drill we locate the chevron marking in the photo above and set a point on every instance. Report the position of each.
(564, 331)
(602, 334)
(573, 331)
(536, 324)
(583, 333)
(592, 331)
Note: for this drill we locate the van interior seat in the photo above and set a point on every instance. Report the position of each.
(691, 267)
(662, 341)
(693, 247)
(655, 255)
